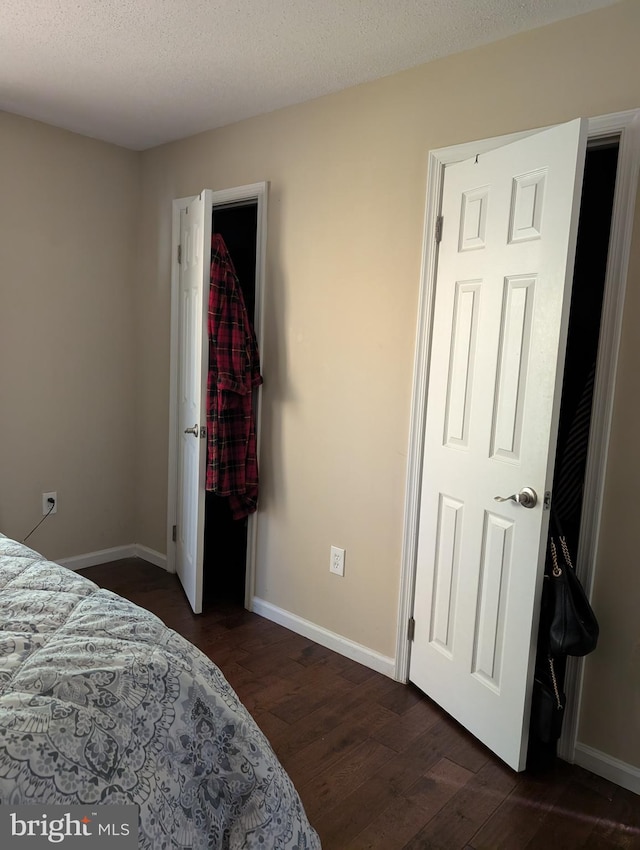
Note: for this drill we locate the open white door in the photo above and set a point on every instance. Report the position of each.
(501, 306)
(195, 242)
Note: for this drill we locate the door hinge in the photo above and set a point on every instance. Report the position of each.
(411, 629)
(439, 223)
(179, 255)
(174, 533)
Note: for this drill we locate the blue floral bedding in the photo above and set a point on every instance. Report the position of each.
(101, 703)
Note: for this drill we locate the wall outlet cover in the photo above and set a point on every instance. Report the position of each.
(336, 564)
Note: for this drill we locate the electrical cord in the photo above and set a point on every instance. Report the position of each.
(52, 502)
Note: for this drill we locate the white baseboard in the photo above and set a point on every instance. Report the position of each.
(344, 646)
(623, 774)
(151, 556)
(117, 553)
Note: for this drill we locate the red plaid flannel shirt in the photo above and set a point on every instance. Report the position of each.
(234, 371)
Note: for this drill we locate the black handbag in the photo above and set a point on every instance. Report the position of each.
(574, 628)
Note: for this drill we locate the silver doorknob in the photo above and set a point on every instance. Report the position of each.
(193, 430)
(527, 497)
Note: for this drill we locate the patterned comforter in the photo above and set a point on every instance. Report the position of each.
(101, 703)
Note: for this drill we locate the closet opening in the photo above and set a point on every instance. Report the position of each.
(225, 538)
(578, 382)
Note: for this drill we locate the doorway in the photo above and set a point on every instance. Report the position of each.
(501, 306)
(585, 315)
(624, 127)
(241, 212)
(225, 538)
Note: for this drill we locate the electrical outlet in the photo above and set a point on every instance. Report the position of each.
(46, 504)
(336, 564)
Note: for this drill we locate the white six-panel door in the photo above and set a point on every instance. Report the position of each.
(499, 329)
(195, 241)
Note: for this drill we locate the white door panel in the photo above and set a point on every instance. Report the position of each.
(497, 349)
(195, 241)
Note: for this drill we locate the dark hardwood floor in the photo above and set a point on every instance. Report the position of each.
(376, 763)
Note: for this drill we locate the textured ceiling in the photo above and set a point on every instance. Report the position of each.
(143, 72)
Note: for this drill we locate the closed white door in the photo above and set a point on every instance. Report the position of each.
(195, 242)
(501, 307)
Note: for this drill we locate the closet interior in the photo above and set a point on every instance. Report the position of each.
(225, 539)
(578, 383)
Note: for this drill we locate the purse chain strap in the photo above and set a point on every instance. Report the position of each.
(554, 682)
(557, 570)
(565, 551)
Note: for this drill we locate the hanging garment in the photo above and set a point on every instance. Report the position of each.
(234, 372)
(571, 462)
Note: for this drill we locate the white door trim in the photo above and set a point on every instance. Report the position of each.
(172, 480)
(251, 192)
(626, 125)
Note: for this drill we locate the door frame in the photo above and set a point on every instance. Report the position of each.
(626, 127)
(257, 192)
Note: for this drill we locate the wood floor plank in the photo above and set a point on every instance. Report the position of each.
(261, 695)
(330, 715)
(311, 654)
(446, 739)
(273, 728)
(400, 700)
(519, 817)
(325, 790)
(399, 732)
(438, 785)
(276, 655)
(390, 830)
(350, 670)
(393, 828)
(315, 688)
(467, 810)
(573, 819)
(341, 824)
(619, 827)
(324, 752)
(388, 789)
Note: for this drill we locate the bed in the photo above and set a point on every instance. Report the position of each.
(101, 703)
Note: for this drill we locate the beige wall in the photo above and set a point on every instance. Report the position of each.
(68, 209)
(347, 176)
(610, 717)
(84, 343)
